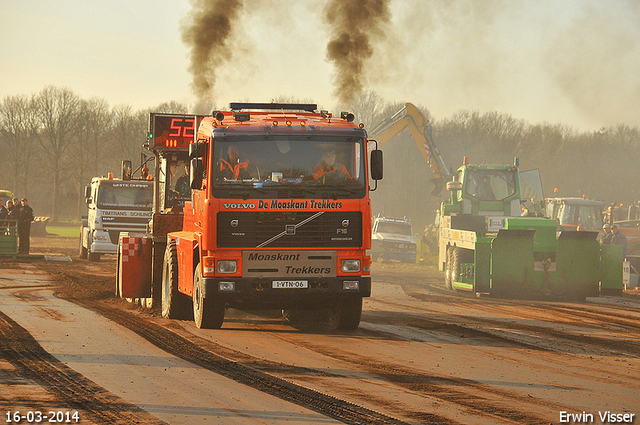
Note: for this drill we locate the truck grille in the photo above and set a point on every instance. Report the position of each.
(290, 229)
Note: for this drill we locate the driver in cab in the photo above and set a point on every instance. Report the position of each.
(330, 170)
(231, 168)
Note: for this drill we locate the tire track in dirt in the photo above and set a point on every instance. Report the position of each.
(72, 390)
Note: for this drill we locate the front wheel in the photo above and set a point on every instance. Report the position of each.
(174, 304)
(83, 251)
(208, 312)
(345, 313)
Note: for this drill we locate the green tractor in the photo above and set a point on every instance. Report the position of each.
(8, 229)
(5, 195)
(486, 246)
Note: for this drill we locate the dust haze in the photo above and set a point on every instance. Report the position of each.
(575, 63)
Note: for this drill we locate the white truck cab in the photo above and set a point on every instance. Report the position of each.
(114, 206)
(393, 239)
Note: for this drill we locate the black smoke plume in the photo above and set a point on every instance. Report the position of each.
(354, 24)
(206, 30)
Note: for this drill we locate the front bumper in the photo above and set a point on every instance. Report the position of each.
(100, 247)
(258, 293)
(407, 257)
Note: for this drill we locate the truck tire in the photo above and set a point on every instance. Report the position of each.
(345, 313)
(118, 277)
(83, 251)
(174, 304)
(294, 317)
(447, 268)
(208, 312)
(459, 256)
(92, 256)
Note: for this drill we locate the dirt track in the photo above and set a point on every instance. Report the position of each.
(421, 355)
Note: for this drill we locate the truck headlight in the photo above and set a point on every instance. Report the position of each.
(100, 236)
(350, 266)
(227, 266)
(351, 285)
(226, 286)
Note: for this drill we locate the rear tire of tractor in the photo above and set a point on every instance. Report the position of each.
(118, 277)
(459, 256)
(345, 313)
(174, 304)
(208, 312)
(456, 259)
(447, 268)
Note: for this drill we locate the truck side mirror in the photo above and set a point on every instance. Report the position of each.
(196, 170)
(196, 150)
(376, 164)
(87, 192)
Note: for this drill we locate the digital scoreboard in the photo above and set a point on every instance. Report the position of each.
(172, 131)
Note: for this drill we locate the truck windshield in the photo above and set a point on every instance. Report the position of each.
(289, 163)
(394, 228)
(125, 195)
(586, 215)
(491, 185)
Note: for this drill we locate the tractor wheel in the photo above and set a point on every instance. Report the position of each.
(345, 313)
(208, 312)
(458, 256)
(174, 304)
(118, 277)
(447, 269)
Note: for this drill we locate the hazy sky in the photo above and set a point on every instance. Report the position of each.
(575, 62)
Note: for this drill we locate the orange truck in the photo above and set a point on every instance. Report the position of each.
(264, 206)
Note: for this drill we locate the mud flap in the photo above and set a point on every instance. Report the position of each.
(135, 266)
(482, 269)
(578, 265)
(511, 261)
(611, 269)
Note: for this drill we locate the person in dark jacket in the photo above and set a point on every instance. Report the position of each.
(25, 217)
(619, 239)
(605, 237)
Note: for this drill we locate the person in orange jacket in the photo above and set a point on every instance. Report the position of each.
(329, 170)
(231, 168)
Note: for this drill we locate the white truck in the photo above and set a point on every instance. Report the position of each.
(114, 206)
(393, 239)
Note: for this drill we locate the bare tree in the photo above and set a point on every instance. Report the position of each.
(128, 132)
(90, 143)
(18, 124)
(58, 110)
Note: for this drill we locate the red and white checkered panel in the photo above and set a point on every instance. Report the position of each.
(129, 247)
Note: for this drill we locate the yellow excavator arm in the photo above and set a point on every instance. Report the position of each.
(411, 117)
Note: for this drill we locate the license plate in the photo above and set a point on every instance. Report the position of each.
(277, 284)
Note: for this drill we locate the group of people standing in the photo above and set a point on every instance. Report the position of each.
(20, 211)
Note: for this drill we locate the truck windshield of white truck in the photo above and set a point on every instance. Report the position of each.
(125, 194)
